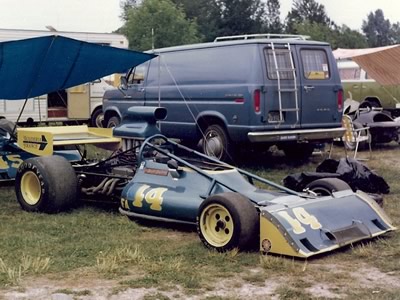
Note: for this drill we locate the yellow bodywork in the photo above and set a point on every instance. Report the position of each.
(41, 140)
(281, 233)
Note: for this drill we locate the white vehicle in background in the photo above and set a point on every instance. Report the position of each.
(80, 104)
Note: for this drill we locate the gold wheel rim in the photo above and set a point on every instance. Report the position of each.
(30, 187)
(216, 225)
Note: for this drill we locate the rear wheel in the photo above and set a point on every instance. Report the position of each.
(46, 184)
(226, 221)
(326, 186)
(216, 143)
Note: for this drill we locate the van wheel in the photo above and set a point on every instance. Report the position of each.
(46, 184)
(113, 122)
(216, 143)
(97, 118)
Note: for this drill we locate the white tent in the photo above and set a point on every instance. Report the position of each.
(382, 63)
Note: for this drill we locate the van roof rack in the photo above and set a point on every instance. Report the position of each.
(261, 36)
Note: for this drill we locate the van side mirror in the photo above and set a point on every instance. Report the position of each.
(124, 83)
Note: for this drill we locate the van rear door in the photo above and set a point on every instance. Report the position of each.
(282, 98)
(321, 92)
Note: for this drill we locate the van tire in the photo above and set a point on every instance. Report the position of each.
(97, 118)
(113, 122)
(216, 143)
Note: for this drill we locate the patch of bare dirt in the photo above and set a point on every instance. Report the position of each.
(88, 287)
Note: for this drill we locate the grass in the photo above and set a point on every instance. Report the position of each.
(97, 242)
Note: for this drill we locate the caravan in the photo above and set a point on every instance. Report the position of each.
(61, 106)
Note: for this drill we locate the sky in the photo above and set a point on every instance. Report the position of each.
(104, 15)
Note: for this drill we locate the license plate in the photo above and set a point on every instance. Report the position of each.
(274, 117)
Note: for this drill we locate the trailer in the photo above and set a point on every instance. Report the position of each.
(80, 104)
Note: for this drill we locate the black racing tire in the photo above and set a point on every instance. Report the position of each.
(326, 186)
(298, 151)
(226, 221)
(216, 143)
(46, 184)
(97, 118)
(113, 122)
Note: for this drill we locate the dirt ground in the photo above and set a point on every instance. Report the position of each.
(87, 288)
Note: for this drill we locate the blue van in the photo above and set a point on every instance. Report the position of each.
(238, 91)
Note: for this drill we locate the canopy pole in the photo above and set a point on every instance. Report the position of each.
(19, 116)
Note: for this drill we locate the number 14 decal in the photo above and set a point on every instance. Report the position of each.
(301, 217)
(153, 196)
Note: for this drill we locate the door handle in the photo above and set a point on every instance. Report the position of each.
(308, 88)
(355, 86)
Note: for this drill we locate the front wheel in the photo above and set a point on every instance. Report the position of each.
(226, 221)
(113, 122)
(46, 184)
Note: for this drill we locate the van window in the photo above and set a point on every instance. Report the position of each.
(350, 73)
(315, 64)
(136, 75)
(283, 62)
(217, 65)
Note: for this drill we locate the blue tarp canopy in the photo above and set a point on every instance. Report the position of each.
(38, 66)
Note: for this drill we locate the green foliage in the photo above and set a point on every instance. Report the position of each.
(231, 17)
(162, 17)
(307, 10)
(348, 38)
(205, 13)
(377, 29)
(273, 22)
(340, 37)
(240, 16)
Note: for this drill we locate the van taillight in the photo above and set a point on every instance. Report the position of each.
(257, 101)
(340, 100)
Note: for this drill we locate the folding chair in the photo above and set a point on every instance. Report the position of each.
(353, 136)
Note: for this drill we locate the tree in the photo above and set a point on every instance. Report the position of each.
(348, 38)
(395, 33)
(205, 13)
(272, 17)
(316, 31)
(240, 16)
(377, 29)
(307, 10)
(226, 17)
(126, 5)
(162, 17)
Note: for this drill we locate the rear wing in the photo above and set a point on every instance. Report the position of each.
(42, 140)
